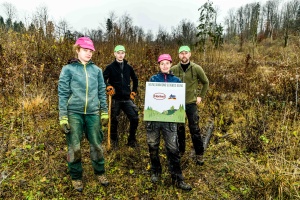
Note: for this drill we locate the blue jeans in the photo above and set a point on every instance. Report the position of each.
(130, 109)
(193, 121)
(169, 133)
(91, 126)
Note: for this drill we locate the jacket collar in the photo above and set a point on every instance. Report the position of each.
(124, 61)
(76, 60)
(169, 74)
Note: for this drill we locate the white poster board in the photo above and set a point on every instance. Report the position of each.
(165, 102)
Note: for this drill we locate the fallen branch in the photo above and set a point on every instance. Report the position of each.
(209, 133)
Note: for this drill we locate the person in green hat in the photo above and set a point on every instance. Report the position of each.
(192, 75)
(117, 77)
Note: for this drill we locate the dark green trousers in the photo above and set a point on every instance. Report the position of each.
(91, 126)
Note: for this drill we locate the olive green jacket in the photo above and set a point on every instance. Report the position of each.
(193, 75)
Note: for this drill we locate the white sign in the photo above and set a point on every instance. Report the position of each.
(165, 102)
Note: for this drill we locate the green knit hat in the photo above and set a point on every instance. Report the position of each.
(119, 48)
(184, 48)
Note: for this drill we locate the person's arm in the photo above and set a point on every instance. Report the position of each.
(102, 92)
(64, 91)
(204, 81)
(106, 74)
(134, 79)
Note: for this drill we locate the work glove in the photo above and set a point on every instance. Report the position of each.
(64, 124)
(132, 95)
(110, 90)
(104, 119)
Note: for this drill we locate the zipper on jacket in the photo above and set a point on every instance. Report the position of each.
(70, 99)
(183, 73)
(165, 76)
(86, 89)
(183, 76)
(122, 76)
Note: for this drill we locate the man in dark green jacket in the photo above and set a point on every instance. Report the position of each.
(192, 75)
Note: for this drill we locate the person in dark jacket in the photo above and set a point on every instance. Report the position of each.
(117, 77)
(168, 131)
(192, 75)
(81, 93)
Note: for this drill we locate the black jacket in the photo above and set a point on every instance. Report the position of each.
(120, 79)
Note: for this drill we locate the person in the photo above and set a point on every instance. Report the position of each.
(117, 76)
(168, 131)
(192, 75)
(81, 92)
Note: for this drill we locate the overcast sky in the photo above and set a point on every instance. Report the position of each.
(148, 14)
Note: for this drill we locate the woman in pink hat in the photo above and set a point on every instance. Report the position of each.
(169, 132)
(81, 92)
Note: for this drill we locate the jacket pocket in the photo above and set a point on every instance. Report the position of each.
(173, 127)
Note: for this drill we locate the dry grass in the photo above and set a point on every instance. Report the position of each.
(35, 105)
(254, 152)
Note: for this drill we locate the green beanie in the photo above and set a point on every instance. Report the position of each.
(184, 48)
(119, 48)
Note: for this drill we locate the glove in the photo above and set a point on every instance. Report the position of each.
(64, 124)
(132, 95)
(104, 119)
(110, 90)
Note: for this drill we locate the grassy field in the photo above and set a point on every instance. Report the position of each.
(253, 102)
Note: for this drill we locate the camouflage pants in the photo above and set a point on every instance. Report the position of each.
(169, 134)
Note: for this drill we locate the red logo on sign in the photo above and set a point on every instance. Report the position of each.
(159, 96)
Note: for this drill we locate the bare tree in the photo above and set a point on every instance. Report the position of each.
(289, 17)
(162, 36)
(139, 34)
(40, 18)
(63, 27)
(95, 34)
(241, 22)
(184, 33)
(10, 10)
(255, 12)
(231, 24)
(270, 11)
(149, 36)
(50, 29)
(125, 24)
(110, 25)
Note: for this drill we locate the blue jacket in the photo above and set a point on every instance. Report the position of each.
(162, 77)
(81, 89)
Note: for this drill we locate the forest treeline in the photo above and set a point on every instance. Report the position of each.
(251, 22)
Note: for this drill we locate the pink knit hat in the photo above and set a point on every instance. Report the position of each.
(85, 42)
(164, 57)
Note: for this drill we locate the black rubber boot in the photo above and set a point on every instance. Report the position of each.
(199, 160)
(155, 177)
(182, 185)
